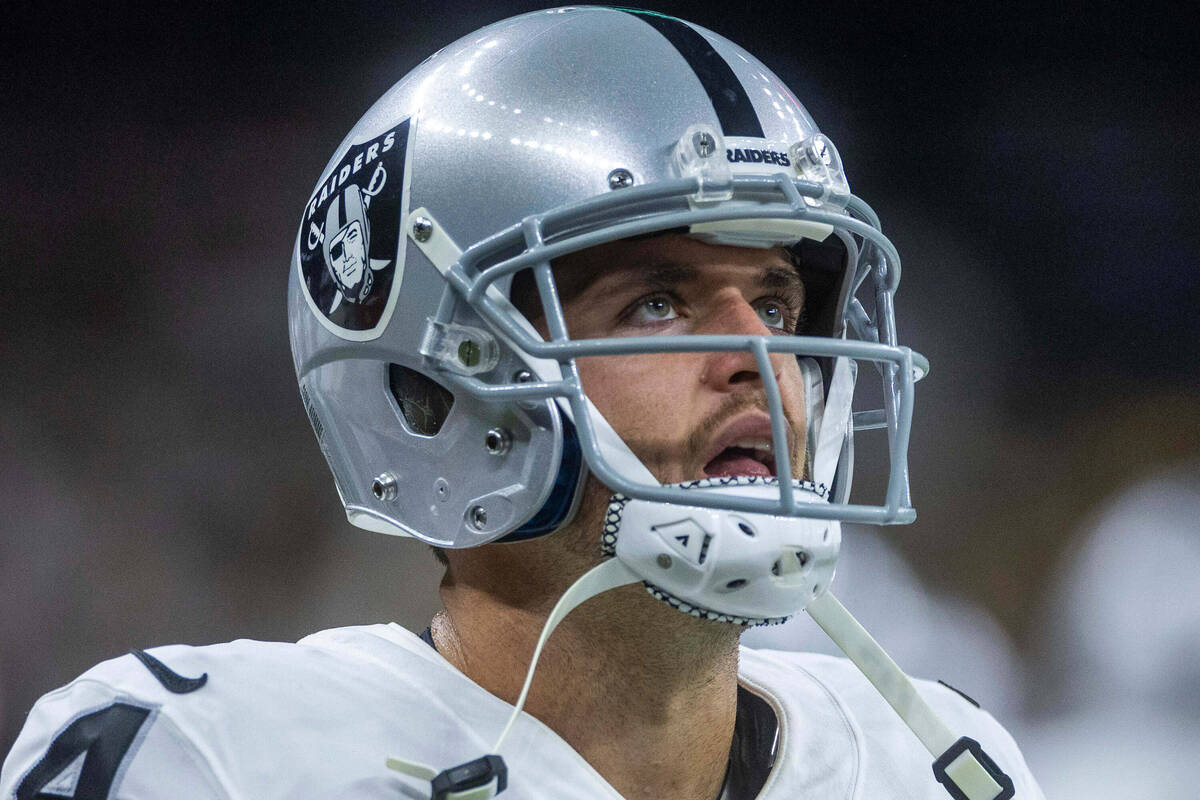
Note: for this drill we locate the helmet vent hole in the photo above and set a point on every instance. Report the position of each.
(746, 529)
(424, 403)
(790, 564)
(735, 584)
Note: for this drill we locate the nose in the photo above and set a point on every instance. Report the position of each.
(738, 369)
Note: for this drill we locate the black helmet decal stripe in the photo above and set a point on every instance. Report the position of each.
(734, 110)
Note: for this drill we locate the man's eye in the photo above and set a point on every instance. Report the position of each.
(773, 314)
(656, 308)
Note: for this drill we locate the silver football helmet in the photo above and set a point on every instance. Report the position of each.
(444, 415)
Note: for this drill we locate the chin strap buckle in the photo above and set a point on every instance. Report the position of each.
(480, 779)
(968, 773)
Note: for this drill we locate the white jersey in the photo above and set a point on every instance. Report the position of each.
(318, 719)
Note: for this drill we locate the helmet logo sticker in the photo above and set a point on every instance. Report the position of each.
(350, 232)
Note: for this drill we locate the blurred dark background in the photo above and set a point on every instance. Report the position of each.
(1036, 166)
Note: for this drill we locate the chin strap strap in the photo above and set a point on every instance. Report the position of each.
(960, 764)
(487, 776)
(835, 421)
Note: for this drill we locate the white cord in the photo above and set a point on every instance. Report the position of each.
(608, 575)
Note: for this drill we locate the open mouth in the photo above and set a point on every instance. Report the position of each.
(744, 458)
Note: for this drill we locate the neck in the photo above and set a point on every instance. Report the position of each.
(623, 661)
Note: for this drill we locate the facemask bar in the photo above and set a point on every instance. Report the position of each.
(646, 209)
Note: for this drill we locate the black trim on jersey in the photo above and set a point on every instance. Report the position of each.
(427, 637)
(734, 110)
(173, 681)
(104, 736)
(960, 693)
(752, 752)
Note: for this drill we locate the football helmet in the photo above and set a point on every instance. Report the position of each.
(444, 415)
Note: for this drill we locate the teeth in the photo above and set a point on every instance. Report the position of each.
(756, 444)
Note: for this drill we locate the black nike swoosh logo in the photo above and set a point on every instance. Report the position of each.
(173, 681)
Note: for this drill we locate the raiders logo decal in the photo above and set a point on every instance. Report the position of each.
(749, 155)
(348, 237)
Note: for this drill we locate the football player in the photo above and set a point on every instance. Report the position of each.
(629, 300)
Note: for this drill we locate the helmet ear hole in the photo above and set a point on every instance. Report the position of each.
(424, 402)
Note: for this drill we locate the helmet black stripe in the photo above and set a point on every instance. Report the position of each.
(735, 112)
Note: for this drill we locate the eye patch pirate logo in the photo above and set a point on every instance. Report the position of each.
(349, 234)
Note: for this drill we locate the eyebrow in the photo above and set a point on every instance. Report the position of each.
(665, 273)
(673, 272)
(781, 278)
(657, 275)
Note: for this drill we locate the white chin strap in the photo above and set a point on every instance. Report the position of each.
(833, 421)
(960, 764)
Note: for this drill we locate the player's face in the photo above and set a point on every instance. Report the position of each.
(688, 415)
(347, 255)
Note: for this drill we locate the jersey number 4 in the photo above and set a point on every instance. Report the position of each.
(84, 759)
